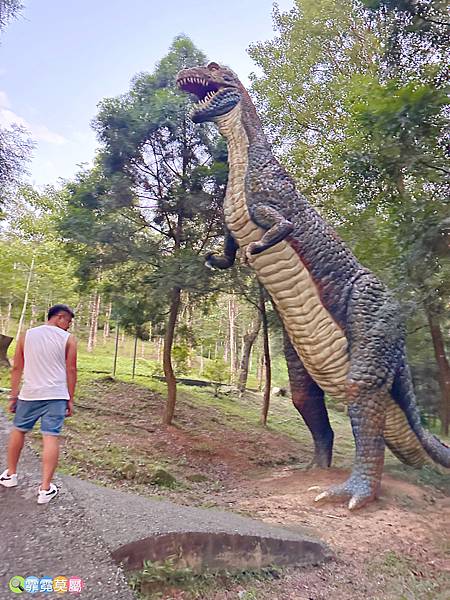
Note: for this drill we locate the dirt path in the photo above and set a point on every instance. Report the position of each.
(397, 548)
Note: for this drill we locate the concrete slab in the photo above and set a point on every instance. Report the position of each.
(136, 528)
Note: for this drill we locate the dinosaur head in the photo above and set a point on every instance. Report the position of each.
(217, 88)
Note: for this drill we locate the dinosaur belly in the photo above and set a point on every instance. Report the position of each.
(319, 341)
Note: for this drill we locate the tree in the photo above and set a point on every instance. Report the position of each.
(365, 139)
(152, 204)
(15, 145)
(35, 270)
(8, 10)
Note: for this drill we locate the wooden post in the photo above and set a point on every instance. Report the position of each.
(134, 354)
(268, 370)
(116, 348)
(25, 298)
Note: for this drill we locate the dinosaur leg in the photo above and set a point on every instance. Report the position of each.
(374, 332)
(367, 411)
(308, 399)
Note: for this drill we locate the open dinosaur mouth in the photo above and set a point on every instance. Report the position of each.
(204, 90)
(214, 99)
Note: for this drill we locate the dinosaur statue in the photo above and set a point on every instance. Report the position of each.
(344, 335)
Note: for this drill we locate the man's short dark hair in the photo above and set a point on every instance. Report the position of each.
(59, 308)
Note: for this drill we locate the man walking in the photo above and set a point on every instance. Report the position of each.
(47, 356)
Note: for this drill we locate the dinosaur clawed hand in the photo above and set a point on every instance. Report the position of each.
(251, 250)
(358, 490)
(218, 261)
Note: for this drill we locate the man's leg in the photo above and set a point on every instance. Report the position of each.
(27, 413)
(15, 445)
(51, 425)
(50, 455)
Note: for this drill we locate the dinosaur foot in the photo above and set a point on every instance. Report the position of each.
(358, 490)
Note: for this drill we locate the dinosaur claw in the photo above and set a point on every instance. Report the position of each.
(357, 495)
(354, 502)
(321, 496)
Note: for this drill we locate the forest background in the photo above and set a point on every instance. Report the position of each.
(353, 97)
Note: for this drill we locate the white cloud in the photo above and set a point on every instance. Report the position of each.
(4, 102)
(38, 131)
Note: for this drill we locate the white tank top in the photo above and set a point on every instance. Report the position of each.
(44, 373)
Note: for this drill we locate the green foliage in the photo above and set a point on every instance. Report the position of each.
(180, 357)
(145, 215)
(217, 372)
(15, 152)
(9, 9)
(355, 102)
(30, 248)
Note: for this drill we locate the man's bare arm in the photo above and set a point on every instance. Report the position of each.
(16, 373)
(71, 370)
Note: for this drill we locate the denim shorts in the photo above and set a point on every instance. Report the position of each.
(51, 413)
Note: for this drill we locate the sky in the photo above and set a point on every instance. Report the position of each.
(60, 58)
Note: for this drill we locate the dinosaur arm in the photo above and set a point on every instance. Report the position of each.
(277, 228)
(225, 261)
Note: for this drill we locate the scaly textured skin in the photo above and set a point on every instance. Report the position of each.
(343, 333)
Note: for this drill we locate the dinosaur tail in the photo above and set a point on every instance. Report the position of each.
(404, 433)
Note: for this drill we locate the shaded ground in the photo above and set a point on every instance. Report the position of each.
(219, 455)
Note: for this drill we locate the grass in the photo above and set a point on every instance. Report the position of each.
(238, 414)
(155, 578)
(408, 580)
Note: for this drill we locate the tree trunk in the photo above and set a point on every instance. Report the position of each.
(249, 340)
(116, 349)
(5, 341)
(106, 323)
(260, 373)
(25, 299)
(443, 369)
(232, 310)
(134, 355)
(167, 356)
(93, 321)
(267, 363)
(77, 320)
(160, 348)
(202, 360)
(8, 318)
(33, 313)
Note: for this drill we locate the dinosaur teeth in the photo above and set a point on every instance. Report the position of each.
(206, 99)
